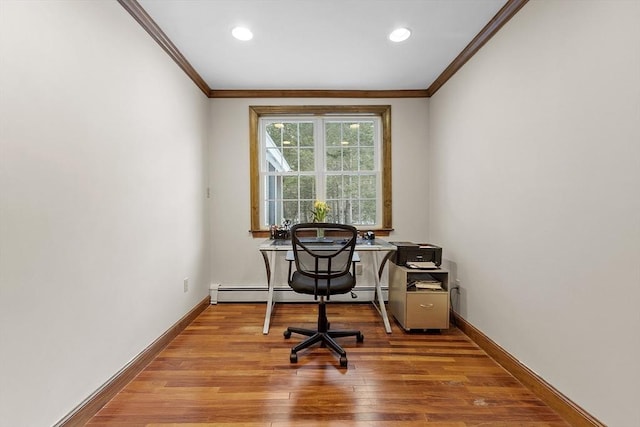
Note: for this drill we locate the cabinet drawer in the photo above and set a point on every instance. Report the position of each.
(427, 310)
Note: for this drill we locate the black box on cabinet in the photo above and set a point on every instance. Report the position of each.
(417, 252)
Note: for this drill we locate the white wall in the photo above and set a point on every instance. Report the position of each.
(230, 182)
(534, 194)
(103, 143)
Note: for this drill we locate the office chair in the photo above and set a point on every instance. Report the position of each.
(322, 270)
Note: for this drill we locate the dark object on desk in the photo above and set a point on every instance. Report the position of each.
(322, 270)
(409, 252)
(280, 234)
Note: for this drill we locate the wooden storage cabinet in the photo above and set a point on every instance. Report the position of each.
(417, 308)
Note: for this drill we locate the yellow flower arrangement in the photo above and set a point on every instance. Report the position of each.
(319, 211)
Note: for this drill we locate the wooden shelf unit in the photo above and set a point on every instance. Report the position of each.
(418, 308)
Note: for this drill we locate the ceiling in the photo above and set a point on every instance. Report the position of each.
(317, 44)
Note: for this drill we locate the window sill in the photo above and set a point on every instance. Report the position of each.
(380, 232)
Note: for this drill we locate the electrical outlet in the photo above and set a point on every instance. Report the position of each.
(186, 284)
(358, 270)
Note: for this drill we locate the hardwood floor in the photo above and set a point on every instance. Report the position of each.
(223, 371)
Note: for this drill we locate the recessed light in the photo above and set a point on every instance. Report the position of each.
(286, 142)
(242, 33)
(344, 142)
(399, 35)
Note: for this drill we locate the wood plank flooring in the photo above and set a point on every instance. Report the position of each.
(223, 371)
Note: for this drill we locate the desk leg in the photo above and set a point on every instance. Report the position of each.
(268, 262)
(381, 308)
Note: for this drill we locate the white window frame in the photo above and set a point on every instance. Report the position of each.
(320, 172)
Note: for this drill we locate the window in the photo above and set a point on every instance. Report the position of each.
(338, 154)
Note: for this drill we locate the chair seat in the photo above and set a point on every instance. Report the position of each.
(306, 285)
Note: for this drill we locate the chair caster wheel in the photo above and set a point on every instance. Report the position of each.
(293, 358)
(287, 334)
(343, 361)
(359, 338)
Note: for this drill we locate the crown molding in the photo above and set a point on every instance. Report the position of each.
(502, 17)
(139, 14)
(314, 93)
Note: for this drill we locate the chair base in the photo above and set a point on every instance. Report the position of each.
(323, 335)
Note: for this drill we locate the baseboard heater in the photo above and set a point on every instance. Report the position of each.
(222, 293)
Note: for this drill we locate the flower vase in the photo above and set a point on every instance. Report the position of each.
(320, 233)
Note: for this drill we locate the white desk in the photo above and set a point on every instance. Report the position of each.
(380, 249)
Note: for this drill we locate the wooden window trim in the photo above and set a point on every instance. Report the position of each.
(256, 112)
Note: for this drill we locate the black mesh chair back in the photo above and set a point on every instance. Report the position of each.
(323, 264)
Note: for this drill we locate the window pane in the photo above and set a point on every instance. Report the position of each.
(290, 134)
(290, 187)
(368, 187)
(334, 159)
(367, 160)
(350, 159)
(350, 134)
(274, 133)
(291, 156)
(275, 160)
(351, 210)
(350, 187)
(334, 187)
(273, 214)
(306, 134)
(366, 136)
(334, 212)
(308, 187)
(367, 212)
(290, 211)
(333, 134)
(272, 185)
(307, 160)
(306, 210)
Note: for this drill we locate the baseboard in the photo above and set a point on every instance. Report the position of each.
(572, 413)
(87, 409)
